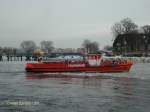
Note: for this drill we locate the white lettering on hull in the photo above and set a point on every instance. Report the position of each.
(76, 65)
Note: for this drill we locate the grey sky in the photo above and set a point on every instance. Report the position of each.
(66, 22)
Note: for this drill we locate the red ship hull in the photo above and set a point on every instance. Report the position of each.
(77, 67)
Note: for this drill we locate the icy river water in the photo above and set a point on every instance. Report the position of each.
(107, 92)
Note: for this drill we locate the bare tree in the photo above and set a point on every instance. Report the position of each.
(1, 50)
(47, 46)
(8, 50)
(94, 47)
(146, 29)
(123, 27)
(117, 29)
(128, 25)
(28, 46)
(91, 47)
(86, 45)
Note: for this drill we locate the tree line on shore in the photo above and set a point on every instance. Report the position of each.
(127, 26)
(130, 38)
(29, 49)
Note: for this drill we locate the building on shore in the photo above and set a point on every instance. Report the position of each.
(132, 44)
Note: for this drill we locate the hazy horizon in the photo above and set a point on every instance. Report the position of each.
(66, 22)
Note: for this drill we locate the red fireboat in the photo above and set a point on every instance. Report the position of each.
(89, 63)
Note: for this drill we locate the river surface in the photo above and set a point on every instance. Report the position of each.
(74, 92)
